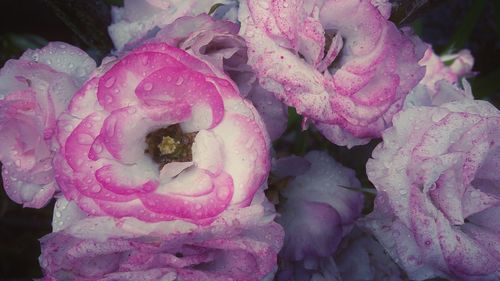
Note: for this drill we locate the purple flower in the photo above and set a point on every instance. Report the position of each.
(361, 258)
(317, 211)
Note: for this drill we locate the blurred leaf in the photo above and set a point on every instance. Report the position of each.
(487, 86)
(13, 45)
(88, 19)
(294, 119)
(118, 3)
(418, 27)
(496, 11)
(406, 11)
(214, 7)
(25, 41)
(467, 25)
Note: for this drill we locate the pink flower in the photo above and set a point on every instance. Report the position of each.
(317, 211)
(341, 64)
(242, 244)
(138, 18)
(436, 70)
(34, 91)
(217, 42)
(438, 198)
(160, 135)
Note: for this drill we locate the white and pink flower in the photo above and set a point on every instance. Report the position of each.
(438, 200)
(161, 135)
(341, 64)
(34, 91)
(460, 65)
(217, 42)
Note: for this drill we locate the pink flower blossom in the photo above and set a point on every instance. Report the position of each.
(241, 244)
(34, 91)
(137, 18)
(436, 69)
(317, 211)
(438, 197)
(217, 42)
(160, 135)
(341, 64)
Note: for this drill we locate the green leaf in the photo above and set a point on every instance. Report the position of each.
(214, 7)
(89, 20)
(486, 86)
(406, 11)
(467, 25)
(294, 119)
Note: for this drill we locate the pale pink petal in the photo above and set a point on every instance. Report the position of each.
(34, 91)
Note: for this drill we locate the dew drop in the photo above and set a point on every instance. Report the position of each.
(85, 139)
(96, 188)
(148, 86)
(179, 81)
(109, 99)
(111, 80)
(132, 110)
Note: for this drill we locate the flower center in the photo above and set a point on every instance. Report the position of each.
(170, 144)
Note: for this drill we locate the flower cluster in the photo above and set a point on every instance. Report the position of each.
(169, 161)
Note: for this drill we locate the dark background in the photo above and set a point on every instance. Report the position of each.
(448, 25)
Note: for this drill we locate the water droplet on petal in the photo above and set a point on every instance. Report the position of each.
(96, 188)
(179, 81)
(98, 148)
(222, 193)
(111, 80)
(148, 86)
(85, 139)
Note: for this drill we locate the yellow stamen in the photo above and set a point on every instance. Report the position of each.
(168, 145)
